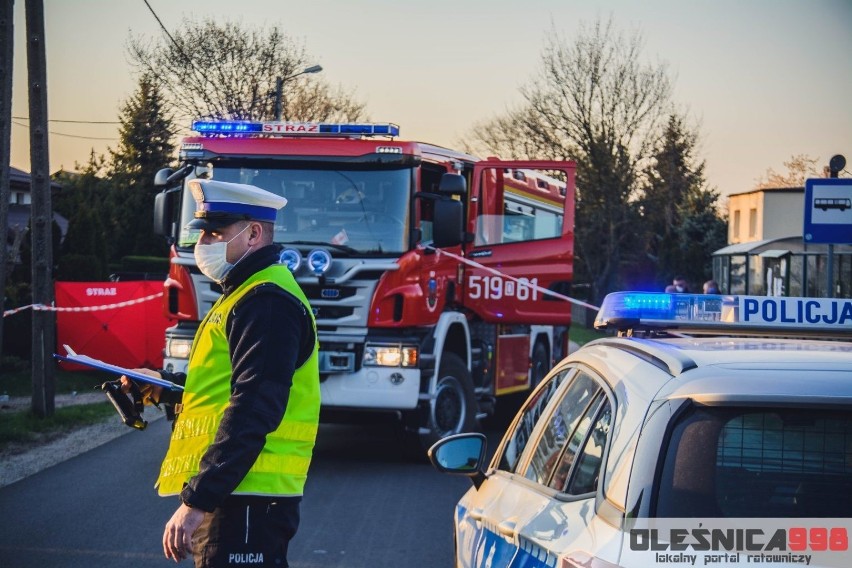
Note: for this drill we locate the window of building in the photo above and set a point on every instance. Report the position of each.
(752, 223)
(736, 236)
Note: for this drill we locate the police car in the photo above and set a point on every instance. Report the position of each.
(706, 431)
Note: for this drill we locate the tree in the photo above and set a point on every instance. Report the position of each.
(799, 168)
(679, 213)
(212, 70)
(596, 102)
(84, 201)
(144, 148)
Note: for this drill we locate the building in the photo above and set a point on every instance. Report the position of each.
(766, 254)
(20, 202)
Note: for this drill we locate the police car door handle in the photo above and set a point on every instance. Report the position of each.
(509, 527)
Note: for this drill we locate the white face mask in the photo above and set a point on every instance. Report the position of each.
(212, 259)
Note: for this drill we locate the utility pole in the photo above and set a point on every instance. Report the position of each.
(41, 217)
(6, 61)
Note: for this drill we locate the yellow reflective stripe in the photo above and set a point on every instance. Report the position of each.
(292, 430)
(180, 464)
(187, 426)
(191, 426)
(291, 465)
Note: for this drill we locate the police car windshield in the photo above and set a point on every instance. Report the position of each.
(365, 211)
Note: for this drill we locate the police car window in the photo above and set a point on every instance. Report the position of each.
(758, 463)
(561, 424)
(514, 443)
(585, 476)
(559, 477)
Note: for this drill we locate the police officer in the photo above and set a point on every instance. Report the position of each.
(246, 425)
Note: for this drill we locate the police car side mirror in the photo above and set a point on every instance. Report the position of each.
(461, 454)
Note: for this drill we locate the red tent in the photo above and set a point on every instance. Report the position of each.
(117, 322)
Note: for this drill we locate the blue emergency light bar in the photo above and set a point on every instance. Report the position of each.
(720, 314)
(294, 128)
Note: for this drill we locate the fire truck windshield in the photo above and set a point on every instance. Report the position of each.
(360, 211)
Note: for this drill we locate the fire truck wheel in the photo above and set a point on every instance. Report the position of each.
(453, 409)
(540, 365)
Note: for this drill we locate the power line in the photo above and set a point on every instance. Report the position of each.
(113, 139)
(181, 51)
(166, 31)
(72, 121)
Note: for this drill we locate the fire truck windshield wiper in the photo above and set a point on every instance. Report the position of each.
(342, 248)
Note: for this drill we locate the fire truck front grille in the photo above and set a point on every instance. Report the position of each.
(343, 307)
(328, 292)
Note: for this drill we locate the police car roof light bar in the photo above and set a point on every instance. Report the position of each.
(718, 314)
(277, 128)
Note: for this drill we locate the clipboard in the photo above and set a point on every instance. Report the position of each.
(73, 357)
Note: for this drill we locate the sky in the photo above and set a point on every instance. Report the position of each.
(763, 80)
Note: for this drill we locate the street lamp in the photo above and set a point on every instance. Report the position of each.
(279, 87)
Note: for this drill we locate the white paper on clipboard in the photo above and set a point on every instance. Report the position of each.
(73, 357)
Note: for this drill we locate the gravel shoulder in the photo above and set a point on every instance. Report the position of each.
(17, 463)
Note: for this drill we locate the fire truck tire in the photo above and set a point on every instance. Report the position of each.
(540, 364)
(453, 408)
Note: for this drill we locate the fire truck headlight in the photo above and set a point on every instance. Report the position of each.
(178, 348)
(319, 261)
(390, 356)
(291, 258)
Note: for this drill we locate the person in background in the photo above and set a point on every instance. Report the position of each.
(247, 422)
(710, 287)
(678, 286)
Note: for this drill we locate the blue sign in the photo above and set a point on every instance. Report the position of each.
(828, 210)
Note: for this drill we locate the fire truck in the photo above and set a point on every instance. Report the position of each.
(437, 279)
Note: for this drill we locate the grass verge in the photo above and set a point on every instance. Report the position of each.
(20, 428)
(23, 428)
(20, 382)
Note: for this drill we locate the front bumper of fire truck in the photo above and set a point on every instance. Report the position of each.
(381, 375)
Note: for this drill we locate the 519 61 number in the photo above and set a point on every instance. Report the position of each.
(496, 288)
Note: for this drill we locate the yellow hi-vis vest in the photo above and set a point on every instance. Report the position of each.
(282, 466)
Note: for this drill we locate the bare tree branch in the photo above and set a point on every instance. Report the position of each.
(224, 70)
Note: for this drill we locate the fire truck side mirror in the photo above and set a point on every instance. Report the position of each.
(161, 179)
(165, 210)
(452, 184)
(447, 226)
(162, 215)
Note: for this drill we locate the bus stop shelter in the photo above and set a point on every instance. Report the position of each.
(782, 267)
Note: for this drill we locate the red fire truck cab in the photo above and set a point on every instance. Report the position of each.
(433, 275)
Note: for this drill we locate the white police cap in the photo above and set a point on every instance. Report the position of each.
(219, 204)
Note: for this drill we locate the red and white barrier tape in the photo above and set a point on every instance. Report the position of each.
(42, 307)
(516, 280)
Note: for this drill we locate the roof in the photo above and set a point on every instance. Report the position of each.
(19, 218)
(770, 190)
(21, 180)
(728, 369)
(762, 350)
(774, 248)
